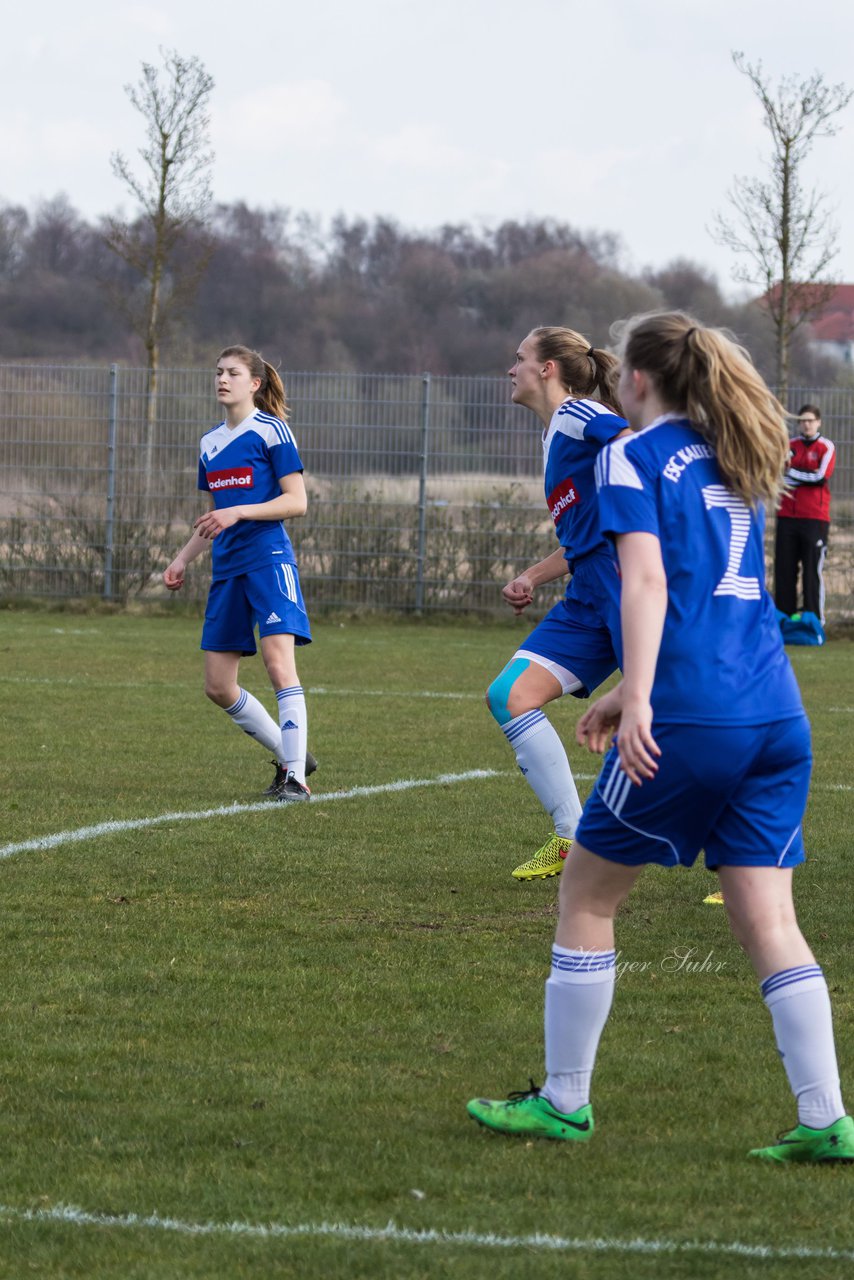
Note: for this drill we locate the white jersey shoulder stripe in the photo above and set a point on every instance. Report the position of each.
(281, 428)
(573, 416)
(613, 467)
(585, 409)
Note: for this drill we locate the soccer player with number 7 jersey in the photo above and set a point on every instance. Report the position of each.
(713, 747)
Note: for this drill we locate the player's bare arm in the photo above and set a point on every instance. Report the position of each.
(628, 707)
(173, 575)
(520, 592)
(293, 502)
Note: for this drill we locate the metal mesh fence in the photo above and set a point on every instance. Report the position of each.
(425, 493)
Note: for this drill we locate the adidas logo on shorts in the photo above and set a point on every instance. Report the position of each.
(274, 617)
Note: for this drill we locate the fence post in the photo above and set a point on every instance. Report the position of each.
(111, 482)
(422, 492)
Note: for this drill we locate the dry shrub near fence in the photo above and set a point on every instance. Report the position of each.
(358, 545)
(71, 435)
(839, 574)
(58, 546)
(361, 548)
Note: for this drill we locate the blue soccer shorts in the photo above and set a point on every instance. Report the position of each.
(581, 634)
(739, 792)
(270, 598)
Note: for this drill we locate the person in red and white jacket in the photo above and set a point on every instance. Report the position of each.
(803, 518)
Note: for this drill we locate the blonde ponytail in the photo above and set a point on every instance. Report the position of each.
(584, 370)
(706, 375)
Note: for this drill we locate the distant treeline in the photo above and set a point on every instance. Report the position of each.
(349, 295)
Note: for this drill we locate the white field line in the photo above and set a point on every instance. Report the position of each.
(396, 693)
(71, 1216)
(317, 691)
(314, 692)
(226, 811)
(115, 826)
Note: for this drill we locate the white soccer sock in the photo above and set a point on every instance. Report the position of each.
(541, 757)
(248, 714)
(799, 1005)
(579, 992)
(293, 729)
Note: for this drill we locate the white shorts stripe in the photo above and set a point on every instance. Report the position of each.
(615, 793)
(616, 790)
(287, 584)
(821, 588)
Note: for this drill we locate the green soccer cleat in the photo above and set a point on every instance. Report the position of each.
(833, 1145)
(547, 861)
(529, 1115)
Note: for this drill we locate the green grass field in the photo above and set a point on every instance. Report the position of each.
(238, 1042)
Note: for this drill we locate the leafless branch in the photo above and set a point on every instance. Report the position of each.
(784, 232)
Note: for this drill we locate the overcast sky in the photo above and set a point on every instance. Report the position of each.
(611, 115)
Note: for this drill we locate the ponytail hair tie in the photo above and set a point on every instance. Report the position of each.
(693, 329)
(590, 352)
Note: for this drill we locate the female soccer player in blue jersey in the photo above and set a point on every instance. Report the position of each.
(713, 746)
(576, 646)
(250, 467)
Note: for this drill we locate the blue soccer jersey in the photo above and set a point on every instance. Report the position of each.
(576, 434)
(242, 465)
(721, 658)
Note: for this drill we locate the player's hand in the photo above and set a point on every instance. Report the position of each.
(596, 728)
(519, 593)
(213, 522)
(638, 749)
(173, 575)
(639, 752)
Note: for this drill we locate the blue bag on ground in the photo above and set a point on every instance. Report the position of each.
(801, 628)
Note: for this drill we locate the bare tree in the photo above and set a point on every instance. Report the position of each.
(162, 244)
(781, 226)
(14, 225)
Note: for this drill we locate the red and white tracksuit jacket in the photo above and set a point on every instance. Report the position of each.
(811, 464)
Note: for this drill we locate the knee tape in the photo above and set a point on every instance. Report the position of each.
(499, 691)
